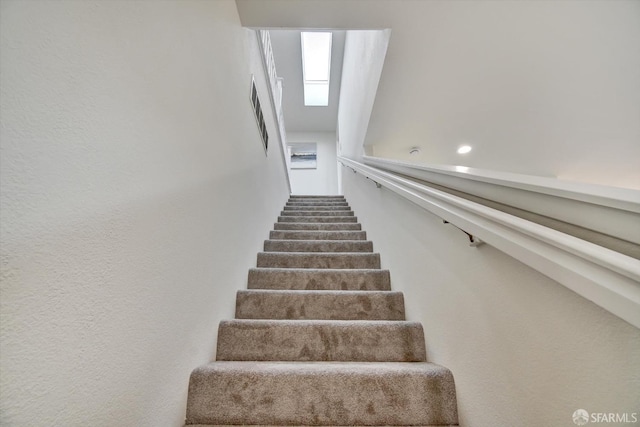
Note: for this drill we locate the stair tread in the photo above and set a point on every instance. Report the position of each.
(307, 226)
(321, 340)
(287, 245)
(318, 241)
(315, 208)
(352, 271)
(322, 393)
(316, 254)
(318, 235)
(319, 292)
(312, 219)
(345, 260)
(306, 206)
(316, 213)
(316, 200)
(371, 369)
(330, 323)
(319, 278)
(333, 425)
(302, 196)
(319, 304)
(320, 203)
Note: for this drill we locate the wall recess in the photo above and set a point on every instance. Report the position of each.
(257, 111)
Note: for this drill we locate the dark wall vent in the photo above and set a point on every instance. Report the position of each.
(257, 110)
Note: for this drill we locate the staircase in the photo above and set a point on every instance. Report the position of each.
(319, 338)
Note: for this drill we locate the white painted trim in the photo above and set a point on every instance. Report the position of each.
(621, 198)
(607, 278)
(608, 210)
(275, 94)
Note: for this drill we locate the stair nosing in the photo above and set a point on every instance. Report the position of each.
(323, 270)
(336, 322)
(319, 291)
(318, 241)
(295, 253)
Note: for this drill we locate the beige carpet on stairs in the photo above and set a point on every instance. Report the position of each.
(319, 337)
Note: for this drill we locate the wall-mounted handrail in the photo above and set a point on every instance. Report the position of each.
(620, 198)
(607, 210)
(275, 94)
(473, 240)
(608, 278)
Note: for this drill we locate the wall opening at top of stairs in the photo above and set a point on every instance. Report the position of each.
(309, 124)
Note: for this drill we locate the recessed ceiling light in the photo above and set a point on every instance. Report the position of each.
(464, 149)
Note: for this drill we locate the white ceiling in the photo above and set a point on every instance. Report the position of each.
(288, 57)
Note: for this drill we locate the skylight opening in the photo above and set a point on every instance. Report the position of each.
(316, 67)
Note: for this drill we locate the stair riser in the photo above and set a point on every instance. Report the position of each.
(316, 213)
(318, 208)
(323, 260)
(305, 212)
(318, 235)
(321, 279)
(333, 395)
(329, 341)
(310, 226)
(313, 219)
(317, 246)
(317, 201)
(313, 197)
(323, 305)
(335, 204)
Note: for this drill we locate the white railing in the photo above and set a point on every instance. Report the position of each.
(608, 278)
(281, 128)
(608, 210)
(275, 93)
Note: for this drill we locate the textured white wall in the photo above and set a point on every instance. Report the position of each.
(135, 195)
(324, 179)
(524, 350)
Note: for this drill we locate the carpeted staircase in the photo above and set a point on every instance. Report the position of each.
(319, 338)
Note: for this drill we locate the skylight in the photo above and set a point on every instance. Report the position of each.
(316, 65)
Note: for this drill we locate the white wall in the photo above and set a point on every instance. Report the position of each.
(324, 179)
(524, 350)
(548, 88)
(135, 195)
(364, 54)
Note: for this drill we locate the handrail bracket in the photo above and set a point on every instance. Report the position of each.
(378, 185)
(473, 240)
